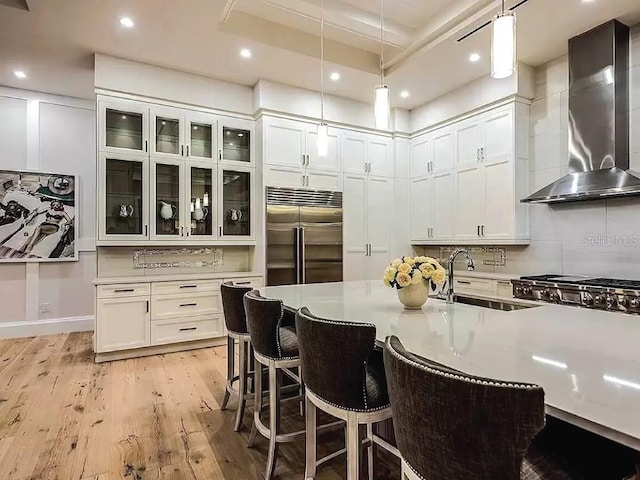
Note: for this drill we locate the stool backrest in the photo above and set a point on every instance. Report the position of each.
(333, 355)
(452, 425)
(264, 316)
(233, 307)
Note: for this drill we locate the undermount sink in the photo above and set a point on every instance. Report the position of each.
(502, 305)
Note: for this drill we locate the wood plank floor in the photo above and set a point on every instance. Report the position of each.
(64, 417)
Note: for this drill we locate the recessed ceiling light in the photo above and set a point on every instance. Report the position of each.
(126, 22)
(20, 74)
(404, 94)
(245, 53)
(474, 57)
(335, 76)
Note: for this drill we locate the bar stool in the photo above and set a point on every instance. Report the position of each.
(452, 425)
(275, 344)
(236, 323)
(344, 377)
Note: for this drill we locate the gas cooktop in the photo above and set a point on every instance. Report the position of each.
(583, 291)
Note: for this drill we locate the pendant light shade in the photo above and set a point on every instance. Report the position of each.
(503, 45)
(381, 107)
(323, 140)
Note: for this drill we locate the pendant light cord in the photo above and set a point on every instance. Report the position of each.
(322, 61)
(382, 42)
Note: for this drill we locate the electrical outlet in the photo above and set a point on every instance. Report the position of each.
(44, 308)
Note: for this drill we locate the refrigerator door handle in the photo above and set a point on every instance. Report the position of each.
(303, 259)
(296, 232)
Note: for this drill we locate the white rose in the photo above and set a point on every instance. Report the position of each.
(386, 281)
(390, 273)
(396, 263)
(404, 268)
(421, 259)
(403, 279)
(426, 269)
(416, 277)
(439, 276)
(409, 260)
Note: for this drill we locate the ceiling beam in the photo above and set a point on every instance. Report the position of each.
(443, 26)
(227, 10)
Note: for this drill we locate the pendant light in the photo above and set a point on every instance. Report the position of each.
(503, 44)
(323, 128)
(381, 94)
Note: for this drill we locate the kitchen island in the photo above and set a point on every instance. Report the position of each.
(587, 361)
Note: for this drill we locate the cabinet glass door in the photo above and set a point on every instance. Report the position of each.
(124, 198)
(236, 144)
(124, 129)
(200, 139)
(167, 139)
(166, 208)
(236, 203)
(201, 207)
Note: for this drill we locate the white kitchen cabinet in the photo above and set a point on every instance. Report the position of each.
(122, 323)
(489, 189)
(380, 155)
(201, 202)
(354, 151)
(432, 207)
(167, 132)
(442, 157)
(368, 208)
(123, 126)
(201, 136)
(236, 201)
(319, 179)
(284, 142)
(420, 155)
(331, 162)
(421, 191)
(167, 205)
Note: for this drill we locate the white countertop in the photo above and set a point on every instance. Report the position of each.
(587, 361)
(489, 275)
(173, 278)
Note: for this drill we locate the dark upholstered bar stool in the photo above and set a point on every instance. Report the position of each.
(344, 377)
(236, 322)
(451, 425)
(275, 344)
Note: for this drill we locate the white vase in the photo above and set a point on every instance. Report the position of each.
(166, 210)
(415, 296)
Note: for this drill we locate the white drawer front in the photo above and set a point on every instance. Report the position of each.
(246, 281)
(504, 289)
(197, 286)
(196, 328)
(186, 305)
(476, 286)
(123, 290)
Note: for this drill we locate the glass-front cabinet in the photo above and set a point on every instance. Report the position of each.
(236, 140)
(123, 204)
(235, 190)
(202, 205)
(167, 180)
(201, 136)
(167, 126)
(123, 126)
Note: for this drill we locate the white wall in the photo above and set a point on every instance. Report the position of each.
(53, 134)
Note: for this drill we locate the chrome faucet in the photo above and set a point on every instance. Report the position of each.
(452, 259)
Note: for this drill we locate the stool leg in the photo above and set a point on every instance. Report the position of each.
(274, 419)
(242, 388)
(370, 450)
(257, 409)
(230, 371)
(311, 441)
(353, 448)
(302, 402)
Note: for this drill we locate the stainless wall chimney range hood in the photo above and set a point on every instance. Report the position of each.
(598, 120)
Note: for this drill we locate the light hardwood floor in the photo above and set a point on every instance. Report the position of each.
(64, 417)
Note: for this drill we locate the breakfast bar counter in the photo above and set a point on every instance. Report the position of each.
(587, 361)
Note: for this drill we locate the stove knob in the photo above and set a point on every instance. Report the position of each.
(623, 301)
(612, 301)
(546, 293)
(527, 291)
(634, 303)
(587, 299)
(555, 297)
(519, 290)
(599, 300)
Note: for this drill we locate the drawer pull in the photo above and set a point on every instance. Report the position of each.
(124, 290)
(186, 329)
(463, 282)
(188, 304)
(243, 283)
(504, 282)
(188, 286)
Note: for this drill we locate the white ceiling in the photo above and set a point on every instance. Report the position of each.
(54, 42)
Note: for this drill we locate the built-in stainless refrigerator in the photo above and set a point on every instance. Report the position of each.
(304, 236)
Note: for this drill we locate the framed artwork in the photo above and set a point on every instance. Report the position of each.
(38, 217)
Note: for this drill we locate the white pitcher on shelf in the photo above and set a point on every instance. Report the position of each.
(167, 211)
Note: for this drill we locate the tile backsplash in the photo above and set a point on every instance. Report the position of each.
(589, 238)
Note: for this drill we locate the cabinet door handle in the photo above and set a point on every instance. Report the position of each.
(187, 150)
(147, 306)
(146, 145)
(182, 150)
(463, 282)
(303, 160)
(308, 159)
(482, 230)
(482, 154)
(188, 286)
(124, 290)
(243, 283)
(478, 230)
(146, 230)
(186, 329)
(219, 154)
(188, 304)
(220, 231)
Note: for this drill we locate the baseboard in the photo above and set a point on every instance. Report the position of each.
(46, 327)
